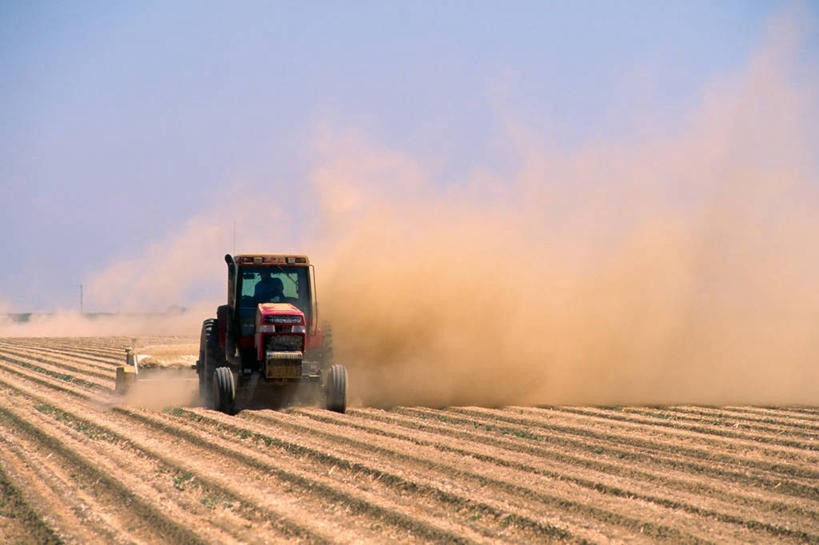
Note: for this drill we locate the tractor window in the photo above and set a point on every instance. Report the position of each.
(267, 284)
(275, 284)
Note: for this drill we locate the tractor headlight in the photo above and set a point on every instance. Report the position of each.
(298, 329)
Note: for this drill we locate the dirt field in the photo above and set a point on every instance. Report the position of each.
(78, 467)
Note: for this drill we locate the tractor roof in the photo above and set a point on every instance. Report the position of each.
(271, 259)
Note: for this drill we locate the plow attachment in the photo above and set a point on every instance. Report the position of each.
(156, 369)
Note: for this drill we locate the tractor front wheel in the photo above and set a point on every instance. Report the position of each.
(337, 389)
(224, 390)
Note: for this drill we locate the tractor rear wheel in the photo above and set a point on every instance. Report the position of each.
(337, 389)
(211, 357)
(224, 390)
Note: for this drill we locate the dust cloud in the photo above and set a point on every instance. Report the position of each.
(678, 265)
(73, 324)
(171, 388)
(681, 268)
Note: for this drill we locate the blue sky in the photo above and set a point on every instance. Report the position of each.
(121, 120)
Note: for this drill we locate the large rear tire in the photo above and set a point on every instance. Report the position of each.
(337, 389)
(204, 390)
(224, 390)
(211, 357)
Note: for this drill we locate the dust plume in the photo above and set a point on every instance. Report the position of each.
(678, 269)
(187, 264)
(173, 388)
(64, 323)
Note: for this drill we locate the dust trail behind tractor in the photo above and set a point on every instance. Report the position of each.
(158, 375)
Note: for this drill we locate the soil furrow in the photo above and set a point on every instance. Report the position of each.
(19, 522)
(44, 380)
(54, 490)
(726, 417)
(358, 503)
(610, 486)
(792, 462)
(565, 496)
(613, 446)
(54, 372)
(639, 484)
(663, 437)
(721, 420)
(362, 468)
(108, 359)
(355, 503)
(212, 494)
(73, 358)
(414, 526)
(678, 451)
(63, 363)
(74, 355)
(605, 458)
(133, 509)
(617, 415)
(799, 414)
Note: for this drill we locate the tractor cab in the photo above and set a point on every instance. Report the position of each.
(254, 280)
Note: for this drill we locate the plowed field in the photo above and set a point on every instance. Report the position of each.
(79, 467)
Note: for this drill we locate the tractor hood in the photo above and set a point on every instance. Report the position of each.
(282, 321)
(277, 314)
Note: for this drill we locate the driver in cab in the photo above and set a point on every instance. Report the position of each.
(269, 289)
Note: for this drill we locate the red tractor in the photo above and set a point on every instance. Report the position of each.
(267, 338)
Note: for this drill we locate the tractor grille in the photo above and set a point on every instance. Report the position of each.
(284, 343)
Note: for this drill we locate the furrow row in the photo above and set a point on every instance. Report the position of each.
(356, 504)
(195, 492)
(684, 441)
(101, 355)
(485, 515)
(719, 420)
(55, 371)
(807, 441)
(20, 521)
(53, 486)
(720, 416)
(598, 486)
(796, 413)
(73, 354)
(523, 488)
(71, 364)
(613, 450)
(691, 495)
(123, 500)
(719, 456)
